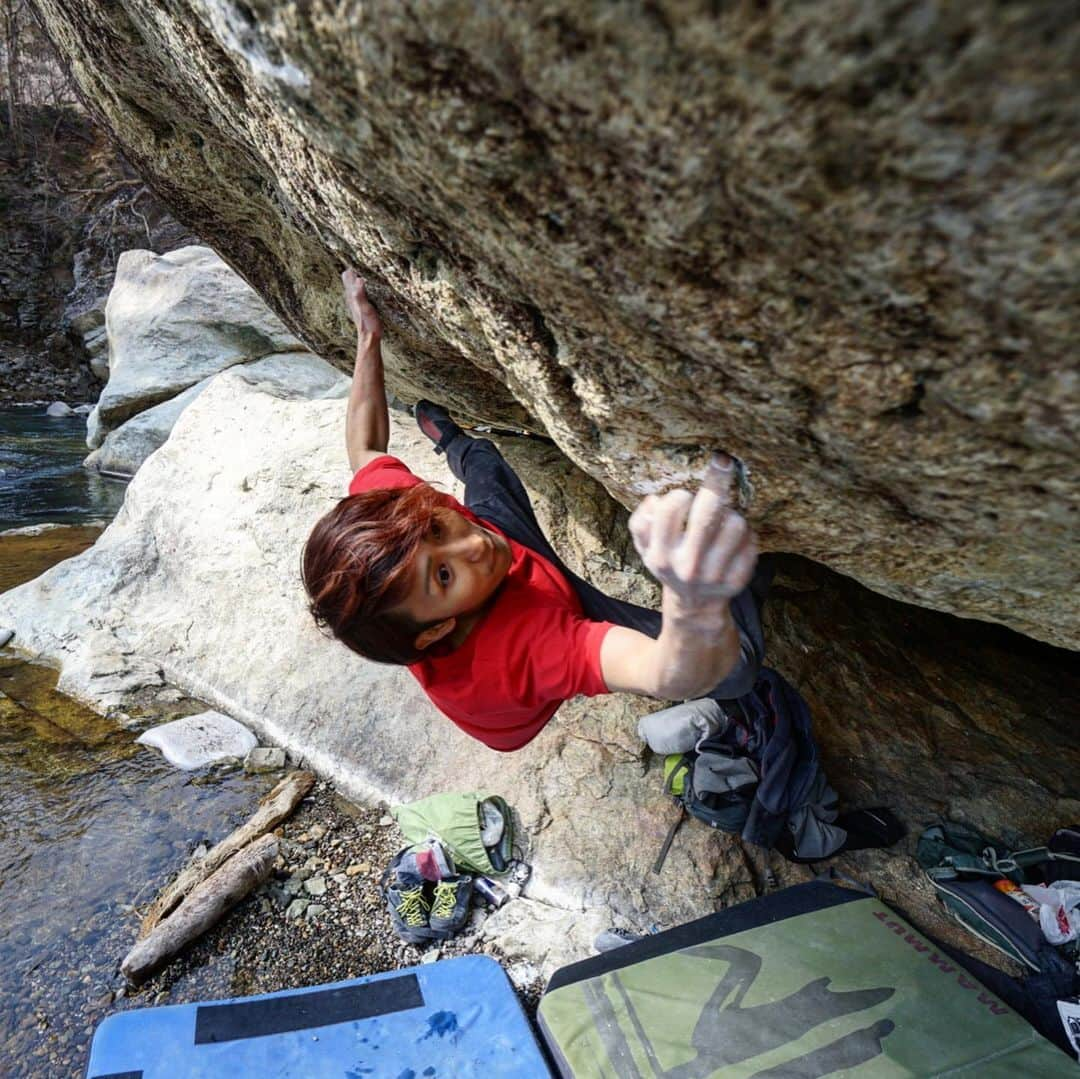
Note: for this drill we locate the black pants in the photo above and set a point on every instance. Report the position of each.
(494, 493)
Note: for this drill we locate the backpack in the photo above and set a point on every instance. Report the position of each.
(755, 773)
(457, 821)
(963, 864)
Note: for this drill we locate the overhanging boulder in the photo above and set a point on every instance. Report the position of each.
(832, 239)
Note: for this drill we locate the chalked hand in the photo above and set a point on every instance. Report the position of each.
(697, 545)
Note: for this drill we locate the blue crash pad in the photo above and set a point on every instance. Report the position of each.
(452, 1019)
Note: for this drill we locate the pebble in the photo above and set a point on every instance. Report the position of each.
(296, 908)
(385, 822)
(293, 886)
(341, 878)
(264, 759)
(317, 831)
(314, 910)
(316, 886)
(356, 867)
(430, 956)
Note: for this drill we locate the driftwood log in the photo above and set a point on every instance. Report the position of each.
(207, 902)
(275, 807)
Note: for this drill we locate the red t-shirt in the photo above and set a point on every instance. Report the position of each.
(532, 650)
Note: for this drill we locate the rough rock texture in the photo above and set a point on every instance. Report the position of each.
(834, 238)
(196, 583)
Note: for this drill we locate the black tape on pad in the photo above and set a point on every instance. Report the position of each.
(320, 1008)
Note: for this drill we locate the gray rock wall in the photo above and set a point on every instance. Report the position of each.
(832, 238)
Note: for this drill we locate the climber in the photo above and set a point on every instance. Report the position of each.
(475, 602)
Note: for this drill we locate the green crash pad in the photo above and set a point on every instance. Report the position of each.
(812, 981)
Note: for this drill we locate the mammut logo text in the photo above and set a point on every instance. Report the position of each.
(943, 965)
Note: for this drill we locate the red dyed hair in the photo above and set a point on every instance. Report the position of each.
(356, 566)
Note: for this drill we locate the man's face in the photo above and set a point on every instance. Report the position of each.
(456, 570)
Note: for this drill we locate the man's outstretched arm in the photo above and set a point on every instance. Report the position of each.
(703, 553)
(367, 420)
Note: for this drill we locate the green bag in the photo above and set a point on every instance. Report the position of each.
(456, 820)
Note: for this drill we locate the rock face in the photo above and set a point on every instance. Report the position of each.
(175, 319)
(174, 322)
(830, 238)
(196, 583)
(291, 375)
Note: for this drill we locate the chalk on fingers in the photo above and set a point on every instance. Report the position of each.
(718, 474)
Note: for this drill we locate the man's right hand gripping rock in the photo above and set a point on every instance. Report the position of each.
(703, 553)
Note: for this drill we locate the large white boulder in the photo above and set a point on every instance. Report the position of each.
(196, 584)
(289, 375)
(176, 319)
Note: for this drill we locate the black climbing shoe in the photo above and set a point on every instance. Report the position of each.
(435, 423)
(870, 828)
(866, 829)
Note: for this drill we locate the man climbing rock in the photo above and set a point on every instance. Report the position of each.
(475, 602)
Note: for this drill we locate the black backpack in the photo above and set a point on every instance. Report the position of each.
(963, 865)
(747, 778)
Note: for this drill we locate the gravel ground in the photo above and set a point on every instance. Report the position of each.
(283, 936)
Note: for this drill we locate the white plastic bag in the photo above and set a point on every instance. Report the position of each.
(1059, 909)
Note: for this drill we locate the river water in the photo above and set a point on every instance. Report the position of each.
(41, 473)
(91, 824)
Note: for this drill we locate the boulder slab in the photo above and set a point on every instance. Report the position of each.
(174, 320)
(291, 375)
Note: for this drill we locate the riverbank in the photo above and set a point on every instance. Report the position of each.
(321, 918)
(95, 825)
(28, 380)
(333, 854)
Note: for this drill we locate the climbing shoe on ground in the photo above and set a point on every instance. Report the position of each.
(450, 907)
(870, 828)
(435, 423)
(403, 888)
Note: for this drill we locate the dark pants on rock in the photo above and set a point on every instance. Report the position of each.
(494, 493)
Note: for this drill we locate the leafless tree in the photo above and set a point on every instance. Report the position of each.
(12, 13)
(35, 79)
